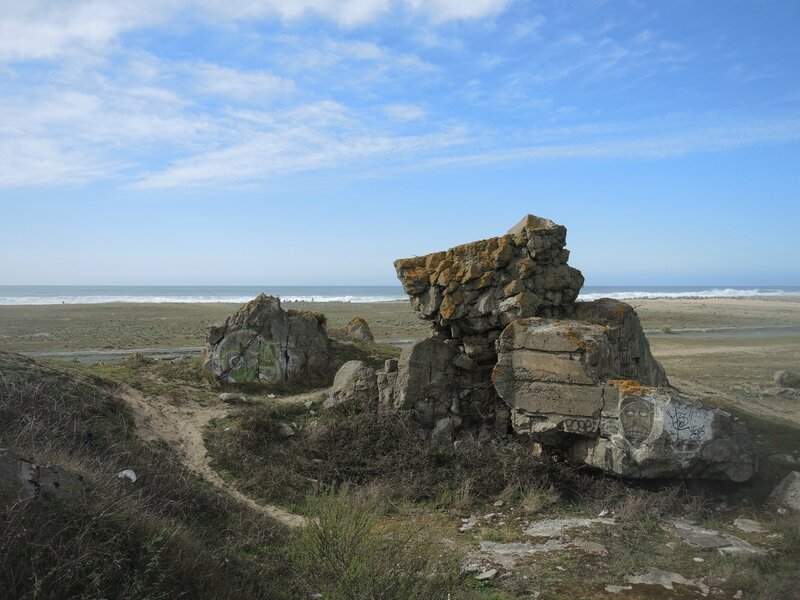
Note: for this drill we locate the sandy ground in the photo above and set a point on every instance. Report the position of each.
(730, 345)
(124, 326)
(181, 426)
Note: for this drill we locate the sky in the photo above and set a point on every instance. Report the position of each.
(269, 142)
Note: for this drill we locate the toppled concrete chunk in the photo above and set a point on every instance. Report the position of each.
(787, 494)
(31, 480)
(262, 342)
(355, 384)
(357, 329)
(563, 382)
(663, 433)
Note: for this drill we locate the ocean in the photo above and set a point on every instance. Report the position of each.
(33, 295)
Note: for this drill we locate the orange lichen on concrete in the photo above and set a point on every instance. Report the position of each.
(620, 310)
(631, 386)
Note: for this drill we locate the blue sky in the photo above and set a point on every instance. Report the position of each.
(315, 141)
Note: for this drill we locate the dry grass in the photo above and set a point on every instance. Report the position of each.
(538, 499)
(345, 555)
(166, 536)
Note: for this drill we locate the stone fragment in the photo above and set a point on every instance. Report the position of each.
(262, 342)
(285, 430)
(128, 474)
(507, 555)
(486, 575)
(709, 539)
(31, 480)
(665, 579)
(553, 528)
(616, 589)
(468, 524)
(787, 493)
(231, 398)
(749, 525)
(357, 329)
(355, 384)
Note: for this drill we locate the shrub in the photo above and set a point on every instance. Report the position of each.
(343, 555)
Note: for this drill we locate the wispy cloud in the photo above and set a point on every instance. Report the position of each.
(405, 112)
(239, 84)
(322, 84)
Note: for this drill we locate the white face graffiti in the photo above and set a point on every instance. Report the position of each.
(636, 418)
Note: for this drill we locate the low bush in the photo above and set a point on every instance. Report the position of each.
(344, 555)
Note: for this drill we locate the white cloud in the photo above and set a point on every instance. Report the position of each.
(450, 10)
(33, 162)
(292, 149)
(404, 112)
(45, 29)
(241, 85)
(347, 13)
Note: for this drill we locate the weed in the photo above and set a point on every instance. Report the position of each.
(539, 498)
(344, 555)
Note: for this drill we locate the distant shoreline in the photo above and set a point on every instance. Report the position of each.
(200, 295)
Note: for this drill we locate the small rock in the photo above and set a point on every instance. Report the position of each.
(468, 524)
(738, 595)
(604, 513)
(487, 575)
(665, 579)
(286, 430)
(271, 396)
(697, 559)
(471, 569)
(231, 398)
(616, 589)
(499, 503)
(128, 474)
(787, 494)
(709, 539)
(560, 568)
(749, 526)
(556, 527)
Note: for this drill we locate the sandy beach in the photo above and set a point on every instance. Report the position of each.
(68, 327)
(730, 344)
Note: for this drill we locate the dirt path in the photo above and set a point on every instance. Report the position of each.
(181, 426)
